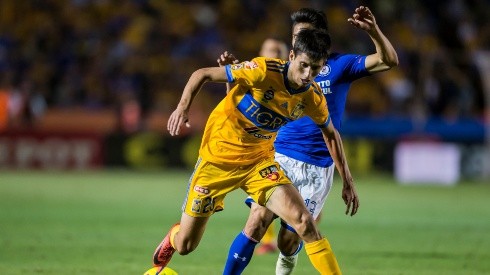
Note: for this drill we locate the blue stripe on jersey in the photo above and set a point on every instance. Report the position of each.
(302, 139)
(259, 115)
(228, 73)
(325, 125)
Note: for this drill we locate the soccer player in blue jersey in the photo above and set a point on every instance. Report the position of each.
(298, 144)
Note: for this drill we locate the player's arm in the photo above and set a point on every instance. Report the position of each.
(334, 143)
(385, 56)
(227, 58)
(193, 86)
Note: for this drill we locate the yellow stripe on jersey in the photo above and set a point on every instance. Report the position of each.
(242, 128)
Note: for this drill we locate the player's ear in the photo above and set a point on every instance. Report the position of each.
(291, 55)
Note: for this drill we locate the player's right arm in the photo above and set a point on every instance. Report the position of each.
(335, 147)
(227, 59)
(180, 116)
(385, 57)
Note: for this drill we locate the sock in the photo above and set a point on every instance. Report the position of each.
(174, 231)
(322, 257)
(285, 264)
(240, 254)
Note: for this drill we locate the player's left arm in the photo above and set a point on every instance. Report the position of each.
(334, 143)
(385, 57)
(180, 116)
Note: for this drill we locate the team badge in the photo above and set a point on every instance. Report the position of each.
(325, 70)
(196, 205)
(270, 172)
(298, 110)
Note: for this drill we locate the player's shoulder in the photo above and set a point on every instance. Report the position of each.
(274, 64)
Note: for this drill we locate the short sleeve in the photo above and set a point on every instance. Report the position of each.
(247, 73)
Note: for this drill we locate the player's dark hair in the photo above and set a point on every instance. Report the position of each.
(307, 15)
(315, 43)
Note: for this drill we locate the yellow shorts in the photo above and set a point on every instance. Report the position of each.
(210, 182)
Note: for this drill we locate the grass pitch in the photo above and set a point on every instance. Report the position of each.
(109, 222)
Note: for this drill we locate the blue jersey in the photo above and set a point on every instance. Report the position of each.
(302, 139)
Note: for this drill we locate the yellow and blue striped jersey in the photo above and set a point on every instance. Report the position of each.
(243, 126)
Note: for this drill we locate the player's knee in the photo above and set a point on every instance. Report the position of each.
(187, 247)
(306, 228)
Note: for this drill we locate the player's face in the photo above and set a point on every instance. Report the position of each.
(299, 27)
(303, 70)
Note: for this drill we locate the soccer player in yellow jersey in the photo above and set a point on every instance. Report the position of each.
(237, 146)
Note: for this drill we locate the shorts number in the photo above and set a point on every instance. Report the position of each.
(311, 205)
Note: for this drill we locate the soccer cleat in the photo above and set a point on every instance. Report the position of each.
(285, 264)
(266, 248)
(164, 251)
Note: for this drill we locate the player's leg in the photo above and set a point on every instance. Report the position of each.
(314, 184)
(288, 204)
(242, 248)
(289, 245)
(182, 237)
(268, 242)
(206, 192)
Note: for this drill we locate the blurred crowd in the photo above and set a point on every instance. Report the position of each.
(135, 56)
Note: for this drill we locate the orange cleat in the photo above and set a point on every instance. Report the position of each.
(266, 248)
(165, 250)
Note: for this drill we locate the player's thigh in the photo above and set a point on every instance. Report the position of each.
(288, 204)
(208, 187)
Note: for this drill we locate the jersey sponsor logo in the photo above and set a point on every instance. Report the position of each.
(255, 132)
(285, 105)
(247, 65)
(298, 110)
(236, 66)
(325, 70)
(261, 116)
(202, 190)
(325, 85)
(271, 172)
(250, 65)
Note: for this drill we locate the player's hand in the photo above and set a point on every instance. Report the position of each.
(226, 58)
(350, 197)
(363, 18)
(176, 120)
